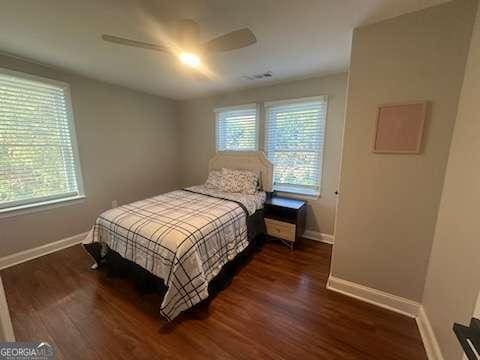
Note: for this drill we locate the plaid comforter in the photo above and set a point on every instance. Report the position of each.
(182, 237)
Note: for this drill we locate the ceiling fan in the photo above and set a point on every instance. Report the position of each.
(187, 45)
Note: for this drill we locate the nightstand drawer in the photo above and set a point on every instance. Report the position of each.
(280, 229)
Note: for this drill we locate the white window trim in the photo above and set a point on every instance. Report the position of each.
(297, 195)
(17, 209)
(236, 107)
(285, 189)
(268, 104)
(40, 206)
(218, 110)
(297, 190)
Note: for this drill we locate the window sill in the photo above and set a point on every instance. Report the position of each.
(235, 151)
(302, 194)
(40, 206)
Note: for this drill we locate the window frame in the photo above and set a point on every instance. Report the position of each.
(25, 206)
(303, 190)
(252, 106)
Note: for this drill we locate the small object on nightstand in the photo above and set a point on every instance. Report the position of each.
(285, 219)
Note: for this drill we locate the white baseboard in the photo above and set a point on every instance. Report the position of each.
(373, 296)
(6, 328)
(318, 236)
(49, 248)
(429, 339)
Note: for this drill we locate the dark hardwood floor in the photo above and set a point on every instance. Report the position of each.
(276, 307)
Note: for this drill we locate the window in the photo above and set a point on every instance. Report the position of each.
(236, 128)
(38, 157)
(295, 134)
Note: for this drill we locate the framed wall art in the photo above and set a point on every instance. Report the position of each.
(399, 128)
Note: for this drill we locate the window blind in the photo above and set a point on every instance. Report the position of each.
(236, 128)
(295, 136)
(37, 158)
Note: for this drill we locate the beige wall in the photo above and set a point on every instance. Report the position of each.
(388, 203)
(128, 151)
(198, 143)
(453, 280)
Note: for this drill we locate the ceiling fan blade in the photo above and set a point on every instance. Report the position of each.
(134, 43)
(233, 40)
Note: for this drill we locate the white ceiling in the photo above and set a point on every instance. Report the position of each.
(296, 38)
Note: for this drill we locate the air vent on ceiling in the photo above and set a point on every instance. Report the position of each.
(260, 76)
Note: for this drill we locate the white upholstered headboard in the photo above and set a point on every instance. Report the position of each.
(247, 160)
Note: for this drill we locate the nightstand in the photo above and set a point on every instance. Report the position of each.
(285, 219)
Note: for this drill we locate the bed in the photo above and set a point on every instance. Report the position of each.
(185, 237)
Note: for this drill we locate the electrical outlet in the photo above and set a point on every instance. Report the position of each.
(114, 204)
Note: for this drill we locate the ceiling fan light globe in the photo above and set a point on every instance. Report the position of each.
(190, 59)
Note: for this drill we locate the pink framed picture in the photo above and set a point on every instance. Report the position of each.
(399, 128)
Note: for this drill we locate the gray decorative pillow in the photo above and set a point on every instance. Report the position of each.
(239, 181)
(214, 180)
